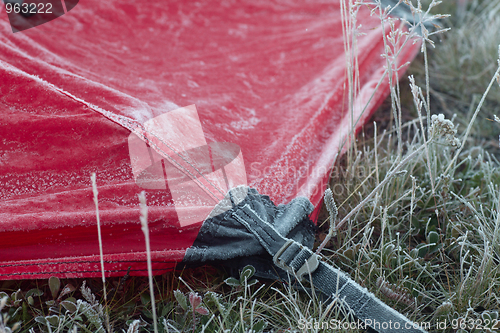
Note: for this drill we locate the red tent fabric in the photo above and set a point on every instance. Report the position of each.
(267, 77)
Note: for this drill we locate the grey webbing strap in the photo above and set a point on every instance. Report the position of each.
(366, 307)
(300, 261)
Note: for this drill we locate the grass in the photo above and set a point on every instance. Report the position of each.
(424, 236)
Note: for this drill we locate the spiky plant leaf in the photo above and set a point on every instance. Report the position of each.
(181, 299)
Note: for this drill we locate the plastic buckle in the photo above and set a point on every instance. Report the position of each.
(309, 265)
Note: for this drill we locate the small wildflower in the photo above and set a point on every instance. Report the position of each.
(440, 126)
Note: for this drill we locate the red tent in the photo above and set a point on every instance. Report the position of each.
(256, 89)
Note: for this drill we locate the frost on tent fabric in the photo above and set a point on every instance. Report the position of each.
(109, 88)
(268, 83)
